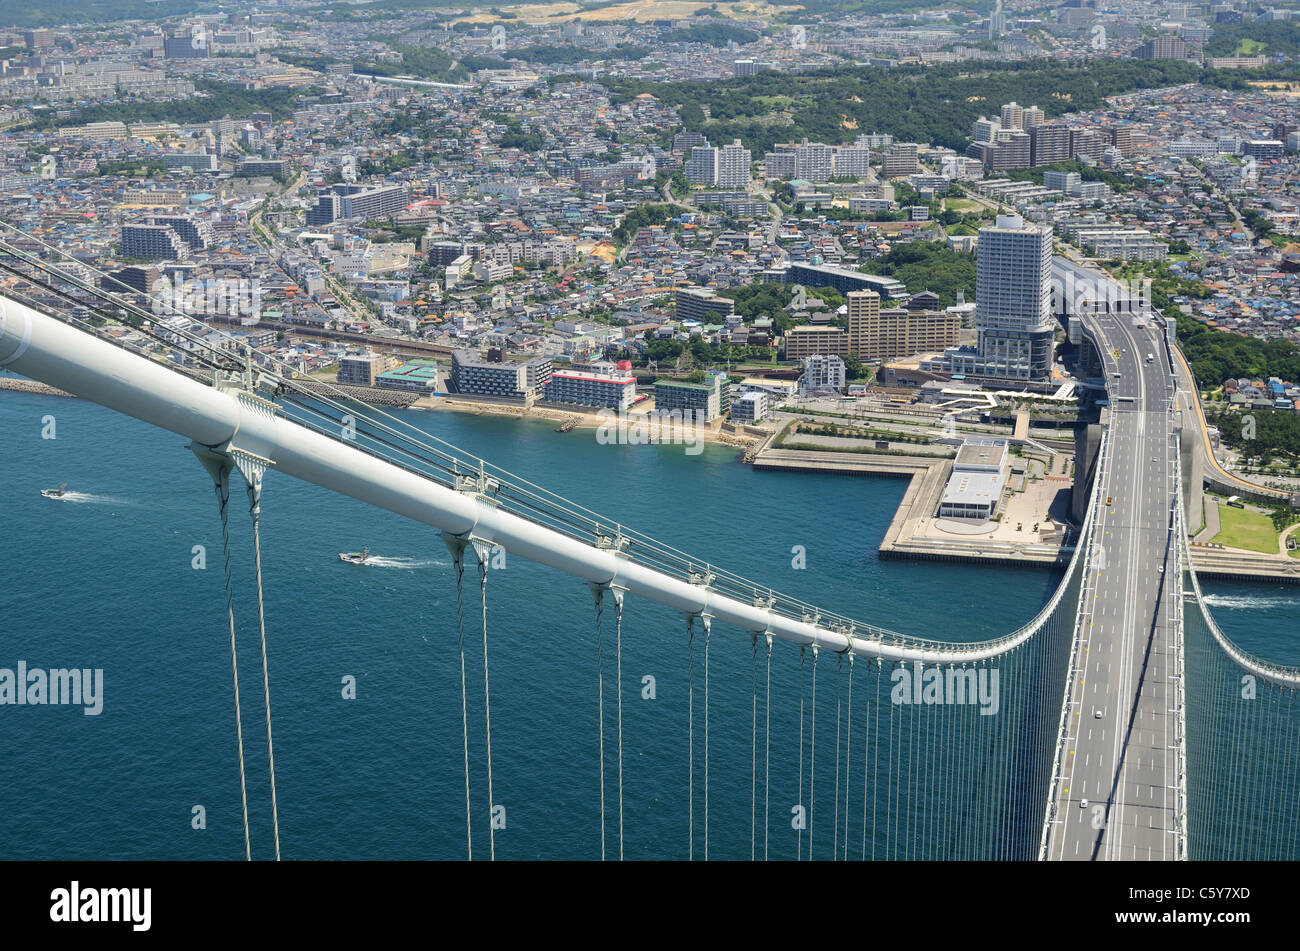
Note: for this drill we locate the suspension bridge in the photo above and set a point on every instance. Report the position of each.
(1118, 723)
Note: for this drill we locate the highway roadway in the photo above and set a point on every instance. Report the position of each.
(1119, 771)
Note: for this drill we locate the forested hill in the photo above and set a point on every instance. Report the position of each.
(935, 104)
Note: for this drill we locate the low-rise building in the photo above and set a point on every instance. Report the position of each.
(492, 376)
(750, 408)
(362, 369)
(593, 386)
(420, 376)
(979, 474)
(694, 401)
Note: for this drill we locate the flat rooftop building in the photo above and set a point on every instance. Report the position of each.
(979, 474)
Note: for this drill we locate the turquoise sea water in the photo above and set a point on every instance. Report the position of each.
(107, 582)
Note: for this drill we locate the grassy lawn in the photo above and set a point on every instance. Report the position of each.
(1248, 47)
(1242, 528)
(964, 205)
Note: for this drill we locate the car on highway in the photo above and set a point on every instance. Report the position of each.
(1096, 714)
(1083, 804)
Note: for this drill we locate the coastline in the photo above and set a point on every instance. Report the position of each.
(31, 386)
(579, 419)
(574, 419)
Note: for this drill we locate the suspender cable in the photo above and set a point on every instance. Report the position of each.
(753, 745)
(220, 471)
(255, 510)
(458, 551)
(868, 748)
(708, 625)
(835, 831)
(798, 848)
(875, 755)
(909, 794)
(690, 731)
(848, 762)
(890, 793)
(812, 754)
(487, 699)
(767, 744)
(599, 594)
(618, 649)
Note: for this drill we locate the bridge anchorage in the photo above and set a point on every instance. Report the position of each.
(942, 749)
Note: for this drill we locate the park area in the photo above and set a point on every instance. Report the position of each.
(1246, 529)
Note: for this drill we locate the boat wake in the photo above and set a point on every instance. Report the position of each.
(1229, 601)
(89, 498)
(407, 564)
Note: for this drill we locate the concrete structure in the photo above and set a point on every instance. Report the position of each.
(842, 279)
(344, 201)
(813, 161)
(704, 400)
(733, 167)
(1049, 144)
(420, 376)
(362, 369)
(807, 340)
(195, 233)
(495, 378)
(1125, 244)
(750, 408)
(1013, 315)
(701, 303)
(901, 159)
(702, 167)
(878, 334)
(153, 243)
(1167, 46)
(583, 386)
(821, 372)
(198, 161)
(979, 474)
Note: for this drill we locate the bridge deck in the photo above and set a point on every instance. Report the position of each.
(1120, 752)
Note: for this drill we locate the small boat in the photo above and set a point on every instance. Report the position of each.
(58, 493)
(355, 557)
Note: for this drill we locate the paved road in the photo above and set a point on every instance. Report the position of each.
(1116, 798)
(1190, 405)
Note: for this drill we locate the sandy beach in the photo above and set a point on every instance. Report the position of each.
(580, 420)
